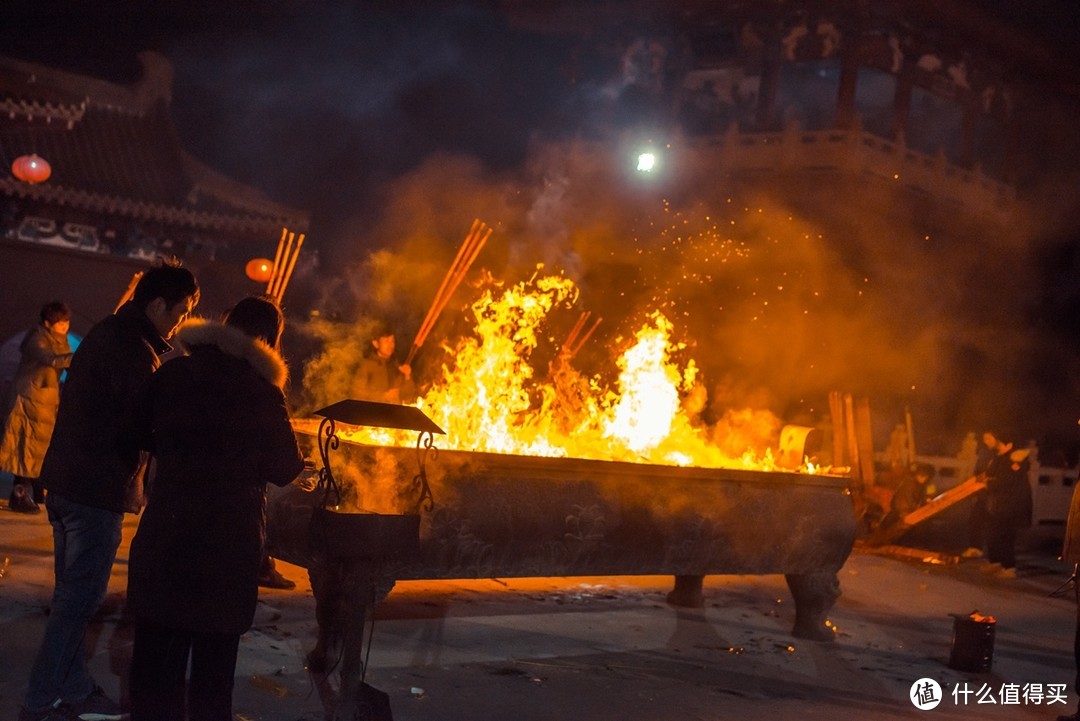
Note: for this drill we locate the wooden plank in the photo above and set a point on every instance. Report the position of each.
(935, 506)
(864, 440)
(922, 555)
(839, 432)
(949, 498)
(852, 440)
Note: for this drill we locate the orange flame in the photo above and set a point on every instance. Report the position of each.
(489, 398)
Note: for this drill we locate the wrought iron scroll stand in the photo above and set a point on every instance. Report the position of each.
(328, 440)
(425, 446)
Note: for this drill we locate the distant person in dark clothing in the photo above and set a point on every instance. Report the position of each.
(978, 521)
(93, 474)
(379, 377)
(1008, 505)
(912, 493)
(45, 353)
(218, 428)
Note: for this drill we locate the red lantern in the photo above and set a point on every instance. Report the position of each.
(259, 269)
(31, 168)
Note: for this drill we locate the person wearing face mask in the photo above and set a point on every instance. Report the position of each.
(45, 353)
(93, 473)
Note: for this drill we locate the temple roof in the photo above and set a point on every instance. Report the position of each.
(114, 149)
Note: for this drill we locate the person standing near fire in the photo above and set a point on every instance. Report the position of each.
(379, 377)
(93, 473)
(1008, 505)
(978, 521)
(45, 353)
(217, 425)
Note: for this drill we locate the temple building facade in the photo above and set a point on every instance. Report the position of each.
(121, 192)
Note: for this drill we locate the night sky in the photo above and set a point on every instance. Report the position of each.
(320, 103)
(389, 121)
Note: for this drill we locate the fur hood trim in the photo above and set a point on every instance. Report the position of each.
(266, 361)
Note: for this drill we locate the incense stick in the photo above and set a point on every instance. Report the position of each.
(462, 253)
(277, 261)
(573, 342)
(586, 337)
(459, 275)
(289, 269)
(572, 335)
(467, 253)
(279, 270)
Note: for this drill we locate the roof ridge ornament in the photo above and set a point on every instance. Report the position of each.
(69, 113)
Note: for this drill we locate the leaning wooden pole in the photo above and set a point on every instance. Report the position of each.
(839, 432)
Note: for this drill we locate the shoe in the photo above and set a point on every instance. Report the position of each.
(972, 552)
(273, 579)
(1006, 574)
(315, 662)
(22, 502)
(56, 712)
(98, 707)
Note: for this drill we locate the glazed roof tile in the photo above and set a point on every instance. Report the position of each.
(114, 149)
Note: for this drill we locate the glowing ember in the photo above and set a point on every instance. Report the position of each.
(490, 399)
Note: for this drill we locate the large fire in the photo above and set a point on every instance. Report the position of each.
(489, 397)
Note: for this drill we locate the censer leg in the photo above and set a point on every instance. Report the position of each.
(814, 594)
(358, 599)
(687, 592)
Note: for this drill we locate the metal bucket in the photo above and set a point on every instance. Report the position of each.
(972, 643)
(370, 536)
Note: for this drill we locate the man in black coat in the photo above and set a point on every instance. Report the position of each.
(1008, 505)
(93, 472)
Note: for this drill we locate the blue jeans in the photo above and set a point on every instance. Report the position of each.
(85, 540)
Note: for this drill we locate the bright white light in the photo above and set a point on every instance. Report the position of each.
(646, 162)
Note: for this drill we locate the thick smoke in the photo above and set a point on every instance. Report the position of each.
(782, 294)
(784, 288)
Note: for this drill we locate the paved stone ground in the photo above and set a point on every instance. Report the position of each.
(611, 648)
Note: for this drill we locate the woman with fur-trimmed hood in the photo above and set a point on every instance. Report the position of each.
(217, 424)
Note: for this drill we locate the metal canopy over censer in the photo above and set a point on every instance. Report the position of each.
(374, 536)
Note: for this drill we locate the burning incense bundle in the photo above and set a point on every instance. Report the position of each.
(284, 262)
(467, 253)
(575, 339)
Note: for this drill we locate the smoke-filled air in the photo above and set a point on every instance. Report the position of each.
(615, 316)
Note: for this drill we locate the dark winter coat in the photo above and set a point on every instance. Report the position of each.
(1008, 491)
(216, 423)
(910, 495)
(93, 458)
(37, 396)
